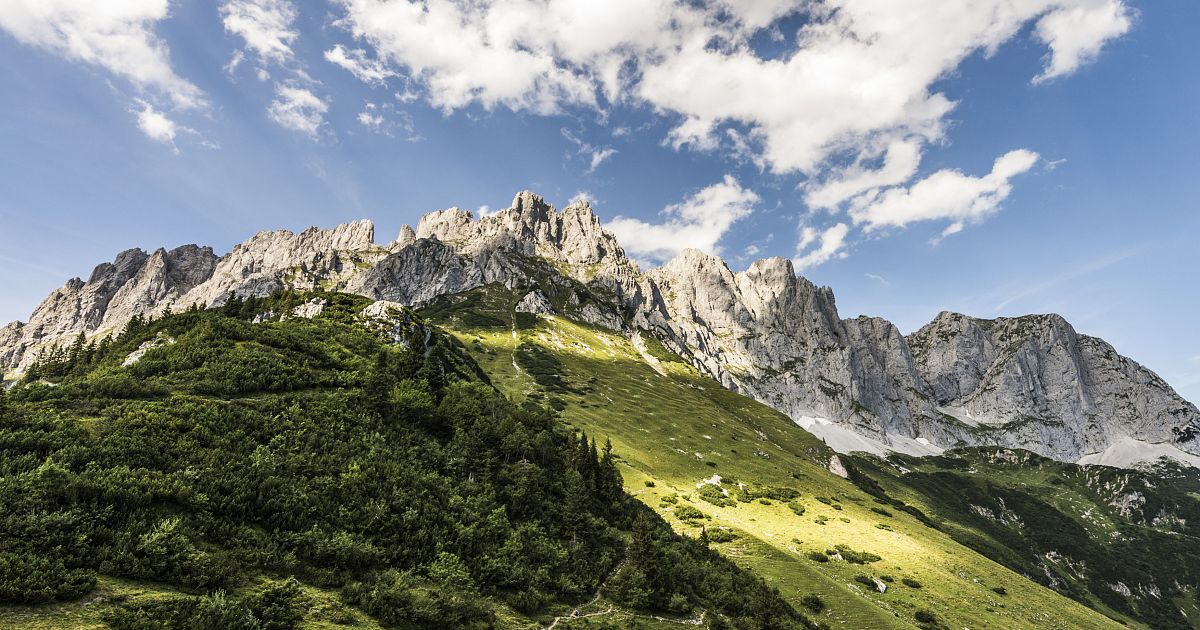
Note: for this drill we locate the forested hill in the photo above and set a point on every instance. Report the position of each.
(344, 466)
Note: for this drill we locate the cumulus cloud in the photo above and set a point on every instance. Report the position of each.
(859, 77)
(298, 109)
(698, 222)
(264, 25)
(369, 71)
(900, 162)
(946, 195)
(117, 35)
(1075, 34)
(155, 124)
(829, 244)
(851, 103)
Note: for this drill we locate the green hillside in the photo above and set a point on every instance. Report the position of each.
(203, 471)
(452, 469)
(689, 447)
(1123, 541)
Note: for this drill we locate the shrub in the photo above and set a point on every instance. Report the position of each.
(856, 557)
(649, 483)
(817, 556)
(713, 495)
(910, 583)
(1000, 590)
(689, 513)
(882, 512)
(924, 616)
(813, 603)
(721, 535)
(796, 507)
(865, 581)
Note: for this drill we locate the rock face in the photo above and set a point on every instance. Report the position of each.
(1010, 375)
(1029, 382)
(137, 283)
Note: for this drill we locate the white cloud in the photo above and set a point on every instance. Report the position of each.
(371, 120)
(369, 71)
(698, 222)
(386, 119)
(851, 102)
(264, 25)
(900, 162)
(155, 124)
(829, 244)
(859, 78)
(298, 109)
(117, 35)
(877, 278)
(946, 195)
(596, 155)
(1075, 33)
(599, 156)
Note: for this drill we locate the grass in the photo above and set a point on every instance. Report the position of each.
(676, 428)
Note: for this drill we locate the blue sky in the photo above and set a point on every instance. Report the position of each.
(916, 157)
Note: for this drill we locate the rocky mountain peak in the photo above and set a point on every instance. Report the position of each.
(1030, 382)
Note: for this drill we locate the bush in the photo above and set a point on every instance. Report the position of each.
(687, 513)
(817, 556)
(924, 616)
(910, 583)
(797, 507)
(712, 494)
(856, 557)
(35, 579)
(865, 581)
(814, 603)
(882, 512)
(1000, 590)
(649, 483)
(721, 535)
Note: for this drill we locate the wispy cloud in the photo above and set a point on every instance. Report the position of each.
(1057, 280)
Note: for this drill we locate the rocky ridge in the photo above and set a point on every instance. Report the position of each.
(1030, 382)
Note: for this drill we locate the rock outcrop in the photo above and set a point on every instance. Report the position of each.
(1030, 382)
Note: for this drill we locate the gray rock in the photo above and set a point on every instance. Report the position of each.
(535, 302)
(1029, 382)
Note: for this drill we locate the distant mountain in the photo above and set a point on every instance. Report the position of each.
(1028, 382)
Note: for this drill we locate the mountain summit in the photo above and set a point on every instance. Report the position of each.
(1028, 382)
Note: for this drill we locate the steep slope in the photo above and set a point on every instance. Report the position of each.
(177, 476)
(1029, 382)
(711, 460)
(1034, 380)
(1122, 541)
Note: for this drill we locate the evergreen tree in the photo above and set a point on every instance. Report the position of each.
(380, 382)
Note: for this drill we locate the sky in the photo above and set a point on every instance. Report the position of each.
(996, 158)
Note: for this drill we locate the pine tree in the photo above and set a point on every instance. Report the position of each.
(610, 478)
(76, 349)
(378, 388)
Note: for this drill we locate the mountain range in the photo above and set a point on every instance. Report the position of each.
(1030, 382)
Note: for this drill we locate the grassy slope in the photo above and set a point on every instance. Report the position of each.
(677, 428)
(1067, 488)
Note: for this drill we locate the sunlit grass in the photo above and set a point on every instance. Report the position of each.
(677, 428)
